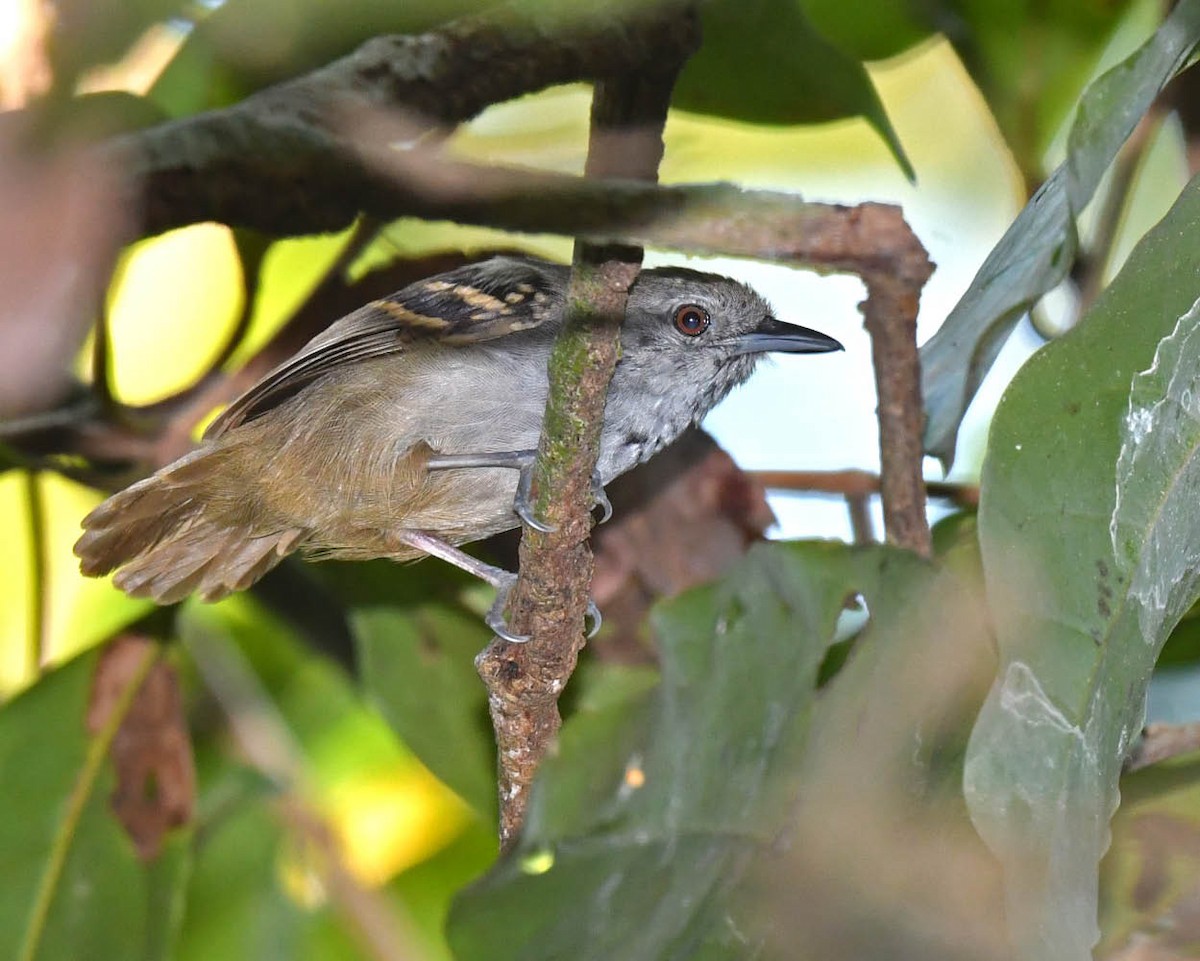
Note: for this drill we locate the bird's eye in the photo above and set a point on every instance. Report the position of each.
(691, 320)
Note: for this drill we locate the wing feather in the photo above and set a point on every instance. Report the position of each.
(467, 305)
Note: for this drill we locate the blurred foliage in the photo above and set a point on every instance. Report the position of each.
(718, 804)
(787, 72)
(1152, 872)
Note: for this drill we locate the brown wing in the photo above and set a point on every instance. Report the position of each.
(463, 306)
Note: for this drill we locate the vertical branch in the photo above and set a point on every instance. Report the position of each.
(890, 310)
(859, 508)
(551, 597)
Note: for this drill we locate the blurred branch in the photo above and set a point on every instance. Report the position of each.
(272, 160)
(102, 365)
(856, 483)
(1160, 742)
(1183, 96)
(861, 528)
(550, 600)
(893, 298)
(1090, 267)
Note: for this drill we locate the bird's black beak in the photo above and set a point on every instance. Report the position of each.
(773, 334)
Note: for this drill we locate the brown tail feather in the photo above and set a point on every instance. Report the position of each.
(161, 538)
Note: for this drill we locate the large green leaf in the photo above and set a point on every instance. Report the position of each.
(72, 886)
(646, 819)
(872, 29)
(762, 61)
(1038, 249)
(244, 901)
(1090, 540)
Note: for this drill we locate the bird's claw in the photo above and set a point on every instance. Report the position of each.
(593, 614)
(600, 499)
(495, 615)
(523, 501)
(523, 506)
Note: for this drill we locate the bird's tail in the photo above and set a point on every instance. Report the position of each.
(167, 537)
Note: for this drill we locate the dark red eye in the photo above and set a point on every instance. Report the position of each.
(691, 320)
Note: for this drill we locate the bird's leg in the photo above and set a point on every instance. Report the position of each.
(521, 460)
(499, 578)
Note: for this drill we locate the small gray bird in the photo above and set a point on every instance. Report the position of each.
(410, 426)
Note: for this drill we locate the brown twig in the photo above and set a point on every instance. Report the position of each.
(890, 310)
(1090, 267)
(1160, 742)
(858, 506)
(550, 600)
(857, 483)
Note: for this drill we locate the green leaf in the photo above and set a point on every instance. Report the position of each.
(72, 886)
(651, 808)
(1039, 248)
(1089, 534)
(763, 62)
(913, 682)
(167, 878)
(869, 29)
(417, 645)
(237, 906)
(1031, 60)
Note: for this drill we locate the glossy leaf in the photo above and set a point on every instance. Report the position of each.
(238, 906)
(1089, 535)
(1039, 248)
(762, 61)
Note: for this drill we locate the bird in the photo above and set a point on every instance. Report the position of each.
(409, 428)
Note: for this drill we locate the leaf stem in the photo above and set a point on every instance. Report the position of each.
(36, 516)
(80, 793)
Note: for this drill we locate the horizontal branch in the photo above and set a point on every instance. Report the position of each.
(714, 219)
(856, 483)
(1161, 742)
(280, 161)
(717, 219)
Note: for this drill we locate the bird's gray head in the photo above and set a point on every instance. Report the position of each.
(705, 330)
(688, 339)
